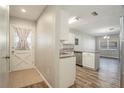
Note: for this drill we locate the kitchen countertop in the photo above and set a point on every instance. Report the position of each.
(86, 51)
(78, 51)
(66, 56)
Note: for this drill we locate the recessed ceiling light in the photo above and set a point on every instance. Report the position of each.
(94, 13)
(73, 19)
(23, 10)
(3, 6)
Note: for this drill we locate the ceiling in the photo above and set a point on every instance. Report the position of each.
(107, 18)
(32, 11)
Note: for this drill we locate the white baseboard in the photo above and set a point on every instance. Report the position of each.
(43, 78)
(33, 66)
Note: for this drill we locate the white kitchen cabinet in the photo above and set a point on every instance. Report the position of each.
(65, 35)
(70, 39)
(90, 60)
(67, 71)
(64, 26)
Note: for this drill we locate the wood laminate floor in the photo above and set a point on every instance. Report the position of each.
(108, 75)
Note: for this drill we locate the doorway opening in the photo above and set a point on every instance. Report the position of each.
(97, 45)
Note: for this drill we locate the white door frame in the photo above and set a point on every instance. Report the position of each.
(20, 59)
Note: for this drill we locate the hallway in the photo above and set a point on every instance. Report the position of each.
(107, 76)
(28, 78)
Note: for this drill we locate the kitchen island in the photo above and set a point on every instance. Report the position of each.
(88, 59)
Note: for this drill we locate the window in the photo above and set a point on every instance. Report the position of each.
(108, 44)
(113, 44)
(17, 41)
(29, 40)
(103, 44)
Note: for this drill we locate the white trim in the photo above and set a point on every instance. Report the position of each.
(33, 66)
(20, 52)
(43, 78)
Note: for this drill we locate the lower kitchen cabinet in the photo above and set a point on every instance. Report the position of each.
(67, 72)
(91, 60)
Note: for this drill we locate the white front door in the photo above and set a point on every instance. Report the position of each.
(4, 49)
(20, 59)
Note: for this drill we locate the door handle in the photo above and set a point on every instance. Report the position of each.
(7, 57)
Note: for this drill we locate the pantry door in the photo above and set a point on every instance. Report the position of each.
(4, 46)
(21, 47)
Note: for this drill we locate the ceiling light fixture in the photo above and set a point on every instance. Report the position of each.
(23, 10)
(94, 13)
(73, 19)
(106, 37)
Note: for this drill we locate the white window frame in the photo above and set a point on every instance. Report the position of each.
(108, 48)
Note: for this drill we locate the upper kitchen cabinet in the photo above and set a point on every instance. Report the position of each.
(64, 26)
(71, 39)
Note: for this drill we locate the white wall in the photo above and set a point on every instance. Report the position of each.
(26, 23)
(86, 42)
(47, 52)
(4, 45)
